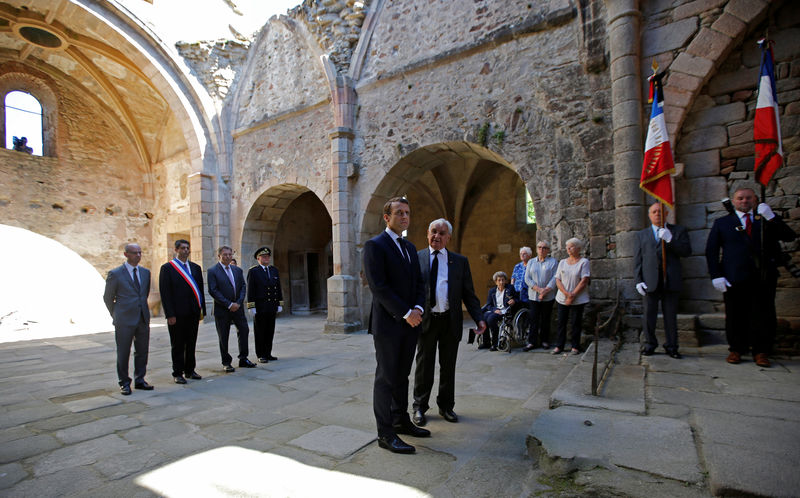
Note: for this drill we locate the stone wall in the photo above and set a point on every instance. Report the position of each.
(91, 196)
(717, 148)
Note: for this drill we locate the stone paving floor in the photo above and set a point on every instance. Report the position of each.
(299, 426)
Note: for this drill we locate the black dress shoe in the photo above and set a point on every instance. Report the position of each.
(528, 347)
(144, 386)
(419, 418)
(395, 445)
(125, 389)
(449, 415)
(410, 429)
(271, 358)
(675, 354)
(493, 348)
(193, 375)
(246, 364)
(483, 346)
(180, 380)
(228, 368)
(263, 359)
(647, 352)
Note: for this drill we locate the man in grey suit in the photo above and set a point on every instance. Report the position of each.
(226, 285)
(649, 277)
(127, 288)
(448, 282)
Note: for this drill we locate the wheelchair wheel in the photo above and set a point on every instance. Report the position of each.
(480, 338)
(522, 323)
(504, 341)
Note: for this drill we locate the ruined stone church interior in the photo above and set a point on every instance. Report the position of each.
(516, 120)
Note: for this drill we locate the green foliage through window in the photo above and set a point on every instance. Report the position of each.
(531, 216)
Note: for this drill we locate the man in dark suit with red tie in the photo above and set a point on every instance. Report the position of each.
(392, 269)
(747, 274)
(265, 295)
(226, 285)
(127, 288)
(181, 285)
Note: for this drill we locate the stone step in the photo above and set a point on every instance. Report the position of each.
(571, 438)
(623, 387)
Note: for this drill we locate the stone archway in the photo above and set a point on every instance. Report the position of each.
(292, 221)
(477, 190)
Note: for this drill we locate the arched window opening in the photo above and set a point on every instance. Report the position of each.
(23, 123)
(530, 213)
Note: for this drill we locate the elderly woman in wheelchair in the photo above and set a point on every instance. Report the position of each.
(499, 303)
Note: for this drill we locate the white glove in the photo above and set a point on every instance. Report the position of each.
(280, 308)
(252, 311)
(665, 234)
(765, 211)
(641, 288)
(721, 284)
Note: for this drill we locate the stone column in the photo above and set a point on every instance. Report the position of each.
(626, 99)
(343, 311)
(201, 219)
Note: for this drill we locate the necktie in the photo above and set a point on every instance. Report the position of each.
(266, 270)
(230, 277)
(403, 250)
(434, 277)
(748, 226)
(136, 283)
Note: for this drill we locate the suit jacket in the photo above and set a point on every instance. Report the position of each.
(508, 294)
(647, 257)
(124, 303)
(177, 296)
(459, 288)
(740, 251)
(264, 289)
(395, 283)
(221, 290)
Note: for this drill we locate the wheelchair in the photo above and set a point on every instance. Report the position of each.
(513, 330)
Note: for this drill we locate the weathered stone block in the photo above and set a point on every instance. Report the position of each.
(629, 217)
(690, 64)
(668, 37)
(710, 44)
(718, 115)
(694, 8)
(736, 151)
(602, 222)
(746, 10)
(625, 244)
(745, 163)
(714, 137)
(684, 81)
(740, 133)
(704, 163)
(729, 25)
(694, 267)
(724, 83)
(692, 216)
(697, 239)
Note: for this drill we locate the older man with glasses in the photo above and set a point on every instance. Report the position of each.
(540, 277)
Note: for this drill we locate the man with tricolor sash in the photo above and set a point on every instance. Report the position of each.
(181, 285)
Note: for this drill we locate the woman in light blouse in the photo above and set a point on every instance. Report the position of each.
(518, 274)
(572, 280)
(540, 277)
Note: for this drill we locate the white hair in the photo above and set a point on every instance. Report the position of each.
(441, 221)
(575, 242)
(527, 250)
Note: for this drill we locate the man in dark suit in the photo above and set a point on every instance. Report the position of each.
(448, 282)
(181, 285)
(226, 285)
(265, 295)
(392, 270)
(747, 274)
(127, 288)
(648, 272)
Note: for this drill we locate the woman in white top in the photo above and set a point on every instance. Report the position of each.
(572, 280)
(540, 277)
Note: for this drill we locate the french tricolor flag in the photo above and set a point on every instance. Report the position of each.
(767, 125)
(658, 163)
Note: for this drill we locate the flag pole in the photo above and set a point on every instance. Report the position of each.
(663, 245)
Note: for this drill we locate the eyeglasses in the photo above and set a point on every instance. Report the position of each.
(544, 248)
